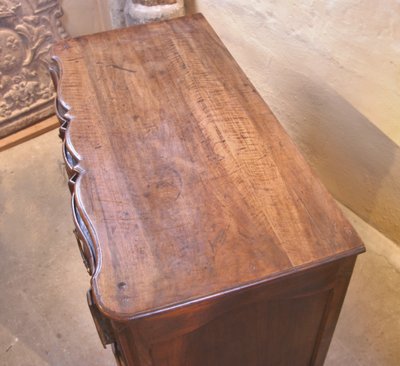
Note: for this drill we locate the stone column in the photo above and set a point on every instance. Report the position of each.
(144, 11)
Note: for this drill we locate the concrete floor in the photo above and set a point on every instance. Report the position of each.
(44, 319)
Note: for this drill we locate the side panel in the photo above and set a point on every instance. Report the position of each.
(272, 332)
(287, 322)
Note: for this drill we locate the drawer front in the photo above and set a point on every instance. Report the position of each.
(118, 355)
(84, 239)
(103, 325)
(62, 118)
(82, 251)
(70, 161)
(72, 182)
(61, 110)
(105, 331)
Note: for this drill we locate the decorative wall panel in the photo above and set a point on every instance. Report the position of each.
(27, 30)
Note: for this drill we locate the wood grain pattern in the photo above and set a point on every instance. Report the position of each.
(186, 183)
(288, 321)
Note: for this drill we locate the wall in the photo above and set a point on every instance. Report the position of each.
(85, 16)
(330, 72)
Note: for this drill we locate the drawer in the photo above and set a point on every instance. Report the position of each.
(103, 325)
(105, 331)
(84, 239)
(72, 182)
(70, 161)
(61, 115)
(118, 355)
(82, 251)
(60, 108)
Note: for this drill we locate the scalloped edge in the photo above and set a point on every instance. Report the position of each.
(77, 171)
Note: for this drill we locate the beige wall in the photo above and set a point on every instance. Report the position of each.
(330, 71)
(85, 16)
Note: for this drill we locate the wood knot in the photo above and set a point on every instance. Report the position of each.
(164, 187)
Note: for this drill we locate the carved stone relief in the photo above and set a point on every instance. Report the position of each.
(27, 30)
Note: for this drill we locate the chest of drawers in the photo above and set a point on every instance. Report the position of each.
(208, 239)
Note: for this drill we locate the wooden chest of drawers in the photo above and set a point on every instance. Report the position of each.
(208, 239)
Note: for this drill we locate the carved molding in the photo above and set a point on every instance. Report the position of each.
(84, 231)
(28, 28)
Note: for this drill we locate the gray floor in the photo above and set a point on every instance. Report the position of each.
(44, 319)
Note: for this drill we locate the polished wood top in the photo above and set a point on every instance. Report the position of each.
(188, 185)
